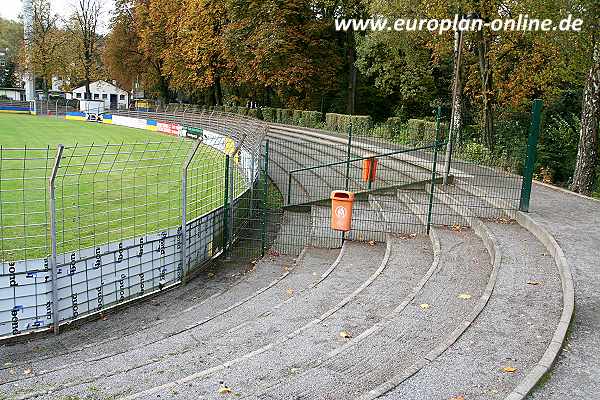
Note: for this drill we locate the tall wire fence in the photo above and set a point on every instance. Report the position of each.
(88, 227)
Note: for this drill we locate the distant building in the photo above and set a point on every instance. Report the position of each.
(14, 94)
(113, 96)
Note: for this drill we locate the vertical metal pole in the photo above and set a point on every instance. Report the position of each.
(349, 156)
(184, 259)
(54, 258)
(226, 207)
(264, 199)
(289, 193)
(534, 136)
(434, 168)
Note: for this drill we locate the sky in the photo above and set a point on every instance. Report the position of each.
(11, 9)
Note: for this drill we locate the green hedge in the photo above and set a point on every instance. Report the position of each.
(268, 114)
(361, 124)
(312, 119)
(423, 132)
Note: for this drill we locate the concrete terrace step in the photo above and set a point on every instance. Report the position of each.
(513, 330)
(218, 287)
(412, 334)
(221, 340)
(266, 289)
(409, 260)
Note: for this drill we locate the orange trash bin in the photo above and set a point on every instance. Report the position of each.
(341, 210)
(369, 170)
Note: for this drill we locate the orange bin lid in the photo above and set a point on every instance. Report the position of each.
(341, 195)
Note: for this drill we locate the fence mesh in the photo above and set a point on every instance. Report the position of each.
(134, 219)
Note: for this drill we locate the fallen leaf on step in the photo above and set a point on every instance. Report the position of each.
(509, 370)
(345, 335)
(457, 228)
(27, 371)
(211, 275)
(224, 389)
(290, 291)
(372, 243)
(425, 306)
(464, 296)
(533, 283)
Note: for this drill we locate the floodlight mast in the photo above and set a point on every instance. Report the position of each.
(28, 76)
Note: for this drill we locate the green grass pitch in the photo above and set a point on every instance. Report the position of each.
(103, 193)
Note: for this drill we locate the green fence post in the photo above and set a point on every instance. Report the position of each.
(434, 168)
(289, 192)
(226, 208)
(264, 199)
(349, 157)
(534, 136)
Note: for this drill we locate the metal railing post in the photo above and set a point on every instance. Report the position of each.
(534, 136)
(348, 157)
(53, 239)
(185, 266)
(264, 199)
(289, 191)
(226, 207)
(433, 169)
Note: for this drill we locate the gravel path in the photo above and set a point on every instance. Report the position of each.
(512, 331)
(575, 223)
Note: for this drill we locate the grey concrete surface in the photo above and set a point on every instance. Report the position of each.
(513, 330)
(299, 356)
(232, 335)
(575, 223)
(262, 293)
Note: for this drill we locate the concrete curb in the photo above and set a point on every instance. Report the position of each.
(553, 350)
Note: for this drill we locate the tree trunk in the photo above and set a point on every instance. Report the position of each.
(351, 54)
(487, 88)
(218, 91)
(456, 119)
(587, 154)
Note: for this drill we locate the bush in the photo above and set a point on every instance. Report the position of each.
(477, 153)
(362, 125)
(312, 119)
(286, 116)
(253, 113)
(416, 130)
(297, 117)
(396, 130)
(268, 114)
(331, 121)
(557, 150)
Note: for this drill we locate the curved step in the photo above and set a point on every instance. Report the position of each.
(260, 296)
(222, 339)
(513, 331)
(411, 336)
(266, 371)
(220, 286)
